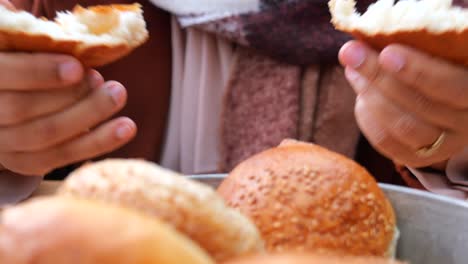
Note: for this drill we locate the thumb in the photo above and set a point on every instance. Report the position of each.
(7, 4)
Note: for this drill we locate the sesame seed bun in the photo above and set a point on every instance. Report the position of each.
(305, 198)
(194, 209)
(312, 259)
(435, 27)
(96, 36)
(57, 230)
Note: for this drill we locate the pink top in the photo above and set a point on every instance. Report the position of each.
(455, 181)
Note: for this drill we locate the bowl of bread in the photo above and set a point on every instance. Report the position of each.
(294, 203)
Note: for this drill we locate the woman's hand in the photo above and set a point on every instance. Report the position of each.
(51, 113)
(7, 4)
(412, 107)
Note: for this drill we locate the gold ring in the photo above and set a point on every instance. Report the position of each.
(429, 150)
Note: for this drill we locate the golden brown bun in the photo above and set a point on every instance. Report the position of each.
(61, 230)
(96, 36)
(193, 208)
(312, 259)
(448, 43)
(303, 197)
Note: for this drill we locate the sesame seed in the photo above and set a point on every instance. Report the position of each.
(314, 223)
(280, 235)
(279, 248)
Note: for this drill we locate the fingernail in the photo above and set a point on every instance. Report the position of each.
(70, 71)
(124, 131)
(94, 80)
(358, 82)
(117, 93)
(354, 55)
(392, 60)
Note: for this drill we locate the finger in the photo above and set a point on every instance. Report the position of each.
(20, 107)
(412, 101)
(436, 79)
(379, 137)
(7, 4)
(393, 148)
(52, 130)
(366, 62)
(403, 126)
(26, 72)
(100, 141)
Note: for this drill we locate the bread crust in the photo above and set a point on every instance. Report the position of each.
(56, 230)
(449, 45)
(304, 197)
(89, 54)
(191, 207)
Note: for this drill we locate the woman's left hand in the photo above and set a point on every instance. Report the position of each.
(412, 107)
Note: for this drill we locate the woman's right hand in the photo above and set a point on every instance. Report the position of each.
(52, 113)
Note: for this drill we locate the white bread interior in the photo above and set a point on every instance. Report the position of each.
(386, 16)
(127, 26)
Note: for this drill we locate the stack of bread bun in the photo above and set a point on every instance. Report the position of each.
(191, 207)
(126, 211)
(295, 203)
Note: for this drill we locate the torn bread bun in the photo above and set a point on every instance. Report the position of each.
(305, 198)
(192, 208)
(96, 35)
(433, 26)
(57, 230)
